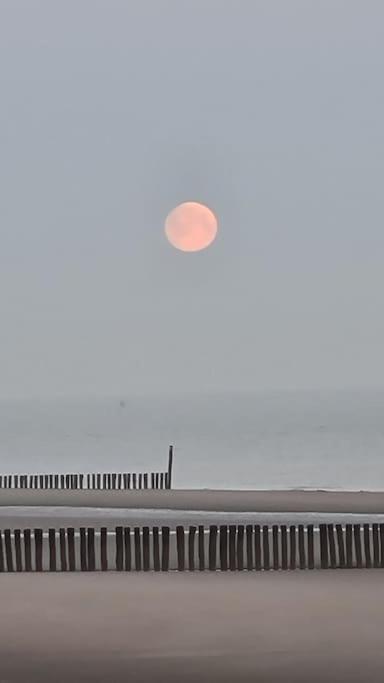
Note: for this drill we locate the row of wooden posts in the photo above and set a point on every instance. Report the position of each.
(228, 547)
(110, 482)
(116, 481)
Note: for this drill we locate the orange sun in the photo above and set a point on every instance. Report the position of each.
(191, 226)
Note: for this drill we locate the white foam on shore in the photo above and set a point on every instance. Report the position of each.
(155, 516)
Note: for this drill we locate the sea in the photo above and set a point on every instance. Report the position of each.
(287, 440)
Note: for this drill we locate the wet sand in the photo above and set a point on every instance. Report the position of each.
(269, 627)
(62, 517)
(357, 502)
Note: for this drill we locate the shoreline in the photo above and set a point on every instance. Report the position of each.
(65, 517)
(291, 501)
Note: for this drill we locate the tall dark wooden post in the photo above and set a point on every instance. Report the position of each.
(170, 467)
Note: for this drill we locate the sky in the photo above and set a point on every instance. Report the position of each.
(112, 112)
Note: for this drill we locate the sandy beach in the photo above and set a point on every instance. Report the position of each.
(270, 627)
(357, 502)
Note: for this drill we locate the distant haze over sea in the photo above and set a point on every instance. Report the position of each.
(280, 440)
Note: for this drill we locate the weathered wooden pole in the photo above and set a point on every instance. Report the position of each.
(170, 467)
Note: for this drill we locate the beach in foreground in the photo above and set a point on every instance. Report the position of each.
(270, 627)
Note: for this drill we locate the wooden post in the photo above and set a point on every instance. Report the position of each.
(1, 553)
(83, 550)
(165, 548)
(8, 549)
(240, 547)
(367, 547)
(162, 480)
(323, 546)
(119, 479)
(249, 537)
(17, 539)
(91, 550)
(127, 549)
(266, 561)
(348, 545)
(191, 548)
(292, 547)
(152, 480)
(134, 481)
(332, 548)
(140, 481)
(145, 481)
(201, 549)
(146, 540)
(137, 541)
(156, 480)
(376, 545)
(357, 537)
(284, 547)
(38, 534)
(212, 547)
(119, 548)
(302, 558)
(71, 549)
(156, 549)
(257, 547)
(275, 547)
(170, 468)
(232, 547)
(180, 541)
(223, 541)
(310, 545)
(381, 527)
(63, 554)
(27, 550)
(52, 549)
(340, 544)
(103, 549)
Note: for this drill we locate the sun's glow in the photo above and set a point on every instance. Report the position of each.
(191, 226)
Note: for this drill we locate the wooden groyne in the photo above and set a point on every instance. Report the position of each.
(216, 548)
(115, 481)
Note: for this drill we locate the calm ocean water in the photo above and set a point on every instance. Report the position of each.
(330, 441)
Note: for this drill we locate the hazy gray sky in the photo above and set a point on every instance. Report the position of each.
(112, 112)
